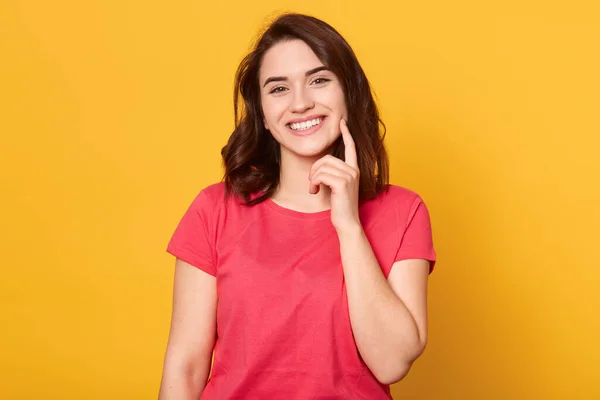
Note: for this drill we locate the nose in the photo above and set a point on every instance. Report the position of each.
(301, 100)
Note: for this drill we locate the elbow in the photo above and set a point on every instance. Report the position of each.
(187, 370)
(397, 369)
(194, 365)
(182, 381)
(392, 376)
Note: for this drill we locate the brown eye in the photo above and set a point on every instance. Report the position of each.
(320, 81)
(277, 89)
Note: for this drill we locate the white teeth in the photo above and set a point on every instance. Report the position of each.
(300, 126)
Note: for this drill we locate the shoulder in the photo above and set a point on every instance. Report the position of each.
(398, 195)
(215, 191)
(394, 204)
(215, 199)
(210, 198)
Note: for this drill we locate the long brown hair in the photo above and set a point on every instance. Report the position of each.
(252, 156)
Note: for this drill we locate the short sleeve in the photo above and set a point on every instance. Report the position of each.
(416, 240)
(191, 239)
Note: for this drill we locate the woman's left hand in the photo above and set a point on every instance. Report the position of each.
(343, 178)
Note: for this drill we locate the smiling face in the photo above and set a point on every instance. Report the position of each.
(302, 101)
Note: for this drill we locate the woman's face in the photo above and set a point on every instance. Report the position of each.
(302, 101)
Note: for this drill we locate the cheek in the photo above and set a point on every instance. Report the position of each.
(341, 102)
(273, 109)
(335, 100)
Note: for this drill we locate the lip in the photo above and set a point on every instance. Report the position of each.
(304, 119)
(310, 130)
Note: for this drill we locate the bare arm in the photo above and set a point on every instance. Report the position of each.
(192, 336)
(389, 318)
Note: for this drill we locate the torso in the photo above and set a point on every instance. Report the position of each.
(282, 318)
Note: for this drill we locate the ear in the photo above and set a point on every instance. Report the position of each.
(265, 124)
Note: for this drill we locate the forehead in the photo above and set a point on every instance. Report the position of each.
(289, 58)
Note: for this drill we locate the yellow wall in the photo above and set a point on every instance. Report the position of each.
(112, 115)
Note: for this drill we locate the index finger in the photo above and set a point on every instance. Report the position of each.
(349, 147)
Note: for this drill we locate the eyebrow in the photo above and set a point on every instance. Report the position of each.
(283, 78)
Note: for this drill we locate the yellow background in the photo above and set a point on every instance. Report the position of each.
(112, 117)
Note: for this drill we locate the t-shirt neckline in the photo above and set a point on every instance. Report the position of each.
(296, 214)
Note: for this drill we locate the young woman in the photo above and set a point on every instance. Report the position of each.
(304, 272)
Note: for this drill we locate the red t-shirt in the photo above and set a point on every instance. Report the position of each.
(283, 328)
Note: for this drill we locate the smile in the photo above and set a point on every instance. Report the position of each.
(302, 126)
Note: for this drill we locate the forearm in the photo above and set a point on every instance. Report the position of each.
(385, 332)
(183, 381)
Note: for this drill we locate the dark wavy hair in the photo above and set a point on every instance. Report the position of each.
(252, 156)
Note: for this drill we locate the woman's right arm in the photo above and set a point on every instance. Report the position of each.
(192, 336)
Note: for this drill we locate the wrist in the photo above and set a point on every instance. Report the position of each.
(349, 230)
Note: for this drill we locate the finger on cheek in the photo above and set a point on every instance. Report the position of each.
(345, 132)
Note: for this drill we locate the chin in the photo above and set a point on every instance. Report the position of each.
(311, 154)
(312, 151)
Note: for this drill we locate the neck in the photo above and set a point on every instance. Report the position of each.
(292, 191)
